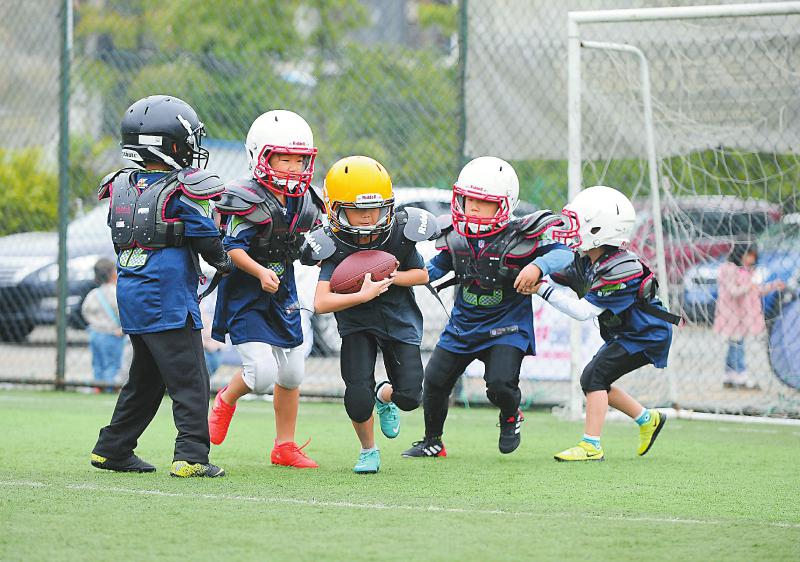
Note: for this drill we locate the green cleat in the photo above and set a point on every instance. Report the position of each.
(583, 451)
(368, 463)
(389, 415)
(649, 431)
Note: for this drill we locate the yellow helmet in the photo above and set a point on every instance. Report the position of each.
(359, 182)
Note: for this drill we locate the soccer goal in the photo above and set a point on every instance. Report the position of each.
(694, 112)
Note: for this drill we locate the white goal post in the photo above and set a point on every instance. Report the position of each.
(577, 20)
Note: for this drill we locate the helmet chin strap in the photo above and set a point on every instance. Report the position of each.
(165, 158)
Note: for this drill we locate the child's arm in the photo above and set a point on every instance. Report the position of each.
(566, 301)
(554, 257)
(410, 277)
(326, 301)
(439, 266)
(268, 278)
(413, 272)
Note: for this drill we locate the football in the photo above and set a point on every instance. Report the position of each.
(349, 275)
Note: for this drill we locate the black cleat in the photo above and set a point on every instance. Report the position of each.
(428, 447)
(509, 432)
(130, 464)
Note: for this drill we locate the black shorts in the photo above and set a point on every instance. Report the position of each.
(609, 364)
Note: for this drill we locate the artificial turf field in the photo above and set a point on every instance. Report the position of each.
(706, 491)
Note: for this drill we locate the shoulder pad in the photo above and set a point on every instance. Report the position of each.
(319, 245)
(535, 224)
(617, 268)
(200, 184)
(445, 225)
(105, 184)
(240, 199)
(419, 224)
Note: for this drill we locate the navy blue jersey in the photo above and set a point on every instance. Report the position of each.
(637, 331)
(392, 315)
(244, 309)
(482, 317)
(157, 289)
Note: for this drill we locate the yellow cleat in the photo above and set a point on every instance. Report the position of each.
(649, 431)
(184, 469)
(583, 451)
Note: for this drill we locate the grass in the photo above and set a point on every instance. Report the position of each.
(707, 491)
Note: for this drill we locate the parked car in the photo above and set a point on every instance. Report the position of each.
(779, 258)
(29, 273)
(700, 228)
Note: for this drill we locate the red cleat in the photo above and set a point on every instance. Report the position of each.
(289, 454)
(220, 418)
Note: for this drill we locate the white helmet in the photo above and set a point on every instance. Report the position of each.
(284, 132)
(598, 216)
(489, 179)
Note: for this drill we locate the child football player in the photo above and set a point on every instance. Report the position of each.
(383, 314)
(160, 219)
(258, 304)
(618, 290)
(496, 259)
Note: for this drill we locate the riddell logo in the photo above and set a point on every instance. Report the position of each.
(298, 143)
(368, 198)
(124, 210)
(313, 243)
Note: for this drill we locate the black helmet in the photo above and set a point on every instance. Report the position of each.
(163, 129)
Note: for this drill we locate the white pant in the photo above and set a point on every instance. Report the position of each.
(264, 365)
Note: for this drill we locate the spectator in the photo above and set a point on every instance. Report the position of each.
(100, 311)
(739, 312)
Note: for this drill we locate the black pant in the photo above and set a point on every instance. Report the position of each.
(501, 373)
(608, 365)
(171, 360)
(403, 367)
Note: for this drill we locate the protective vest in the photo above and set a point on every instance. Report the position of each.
(490, 267)
(609, 271)
(138, 218)
(276, 240)
(411, 225)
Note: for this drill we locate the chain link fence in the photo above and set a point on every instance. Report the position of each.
(423, 86)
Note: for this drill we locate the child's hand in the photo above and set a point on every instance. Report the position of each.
(535, 290)
(269, 281)
(527, 279)
(371, 289)
(393, 274)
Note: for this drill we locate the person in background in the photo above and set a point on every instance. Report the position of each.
(100, 311)
(739, 312)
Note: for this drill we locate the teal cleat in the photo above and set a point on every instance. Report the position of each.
(368, 463)
(390, 418)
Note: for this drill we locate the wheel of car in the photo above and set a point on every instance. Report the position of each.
(16, 332)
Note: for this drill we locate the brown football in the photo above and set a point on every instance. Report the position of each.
(349, 274)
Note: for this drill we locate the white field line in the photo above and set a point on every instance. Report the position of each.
(381, 506)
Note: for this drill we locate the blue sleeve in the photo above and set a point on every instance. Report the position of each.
(553, 257)
(439, 265)
(413, 261)
(326, 270)
(196, 216)
(239, 234)
(615, 301)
